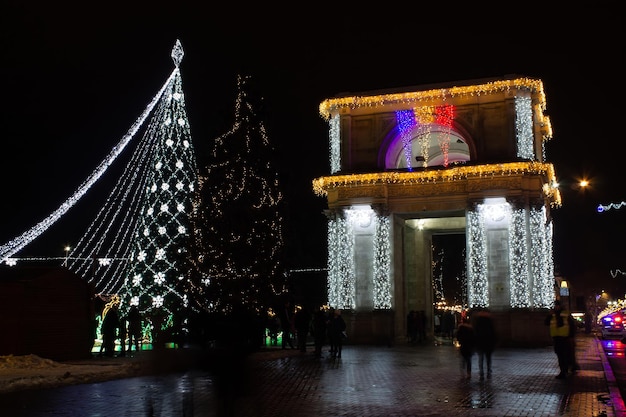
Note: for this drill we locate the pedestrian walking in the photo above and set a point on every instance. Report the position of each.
(486, 340)
(466, 338)
(560, 321)
(336, 332)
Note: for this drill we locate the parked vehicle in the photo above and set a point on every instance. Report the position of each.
(612, 326)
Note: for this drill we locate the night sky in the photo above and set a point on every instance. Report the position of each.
(76, 77)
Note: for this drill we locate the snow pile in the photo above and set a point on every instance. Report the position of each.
(33, 372)
(26, 362)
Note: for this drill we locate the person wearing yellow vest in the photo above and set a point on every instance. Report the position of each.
(561, 323)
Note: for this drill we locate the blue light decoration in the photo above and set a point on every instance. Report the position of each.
(606, 207)
(406, 123)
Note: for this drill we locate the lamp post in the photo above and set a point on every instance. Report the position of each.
(564, 292)
(67, 253)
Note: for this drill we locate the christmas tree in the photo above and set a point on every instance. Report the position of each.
(239, 234)
(157, 281)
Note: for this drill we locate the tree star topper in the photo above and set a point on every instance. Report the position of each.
(177, 53)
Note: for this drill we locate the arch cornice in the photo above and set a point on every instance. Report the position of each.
(530, 181)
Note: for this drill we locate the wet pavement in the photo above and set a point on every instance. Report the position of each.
(400, 381)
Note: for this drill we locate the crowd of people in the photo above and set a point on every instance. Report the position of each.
(325, 326)
(117, 328)
(475, 333)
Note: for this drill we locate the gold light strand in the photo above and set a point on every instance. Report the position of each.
(410, 98)
(323, 184)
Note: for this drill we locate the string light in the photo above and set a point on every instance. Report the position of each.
(531, 272)
(136, 245)
(15, 245)
(406, 122)
(617, 272)
(524, 128)
(239, 238)
(413, 99)
(335, 144)
(322, 185)
(606, 207)
(162, 238)
(382, 262)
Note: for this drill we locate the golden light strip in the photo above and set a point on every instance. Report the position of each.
(323, 184)
(410, 98)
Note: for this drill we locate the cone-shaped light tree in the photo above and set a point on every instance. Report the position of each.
(156, 281)
(239, 236)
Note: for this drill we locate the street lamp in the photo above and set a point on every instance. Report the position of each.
(67, 252)
(564, 292)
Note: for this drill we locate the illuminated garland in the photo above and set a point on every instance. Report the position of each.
(528, 288)
(406, 122)
(412, 99)
(14, 246)
(239, 239)
(323, 184)
(602, 207)
(437, 275)
(617, 272)
(156, 280)
(341, 268)
(335, 144)
(524, 128)
(525, 291)
(382, 263)
(444, 116)
(335, 229)
(518, 259)
(542, 263)
(477, 288)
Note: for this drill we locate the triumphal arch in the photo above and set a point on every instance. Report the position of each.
(463, 157)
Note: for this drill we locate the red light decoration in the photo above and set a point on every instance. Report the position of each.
(444, 115)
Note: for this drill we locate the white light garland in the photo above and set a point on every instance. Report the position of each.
(341, 275)
(518, 260)
(477, 291)
(542, 263)
(524, 128)
(382, 263)
(15, 245)
(335, 144)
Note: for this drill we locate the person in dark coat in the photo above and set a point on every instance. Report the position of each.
(134, 328)
(486, 340)
(466, 337)
(319, 331)
(303, 324)
(336, 329)
(110, 326)
(560, 322)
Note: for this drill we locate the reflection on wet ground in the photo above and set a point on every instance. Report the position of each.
(366, 381)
